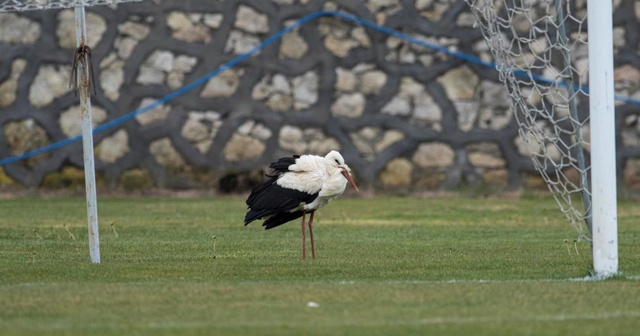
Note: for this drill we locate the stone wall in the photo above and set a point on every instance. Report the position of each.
(405, 117)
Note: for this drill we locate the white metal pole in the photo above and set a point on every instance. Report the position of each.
(87, 137)
(603, 143)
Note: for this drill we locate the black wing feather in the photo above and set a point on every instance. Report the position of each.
(282, 165)
(270, 199)
(280, 219)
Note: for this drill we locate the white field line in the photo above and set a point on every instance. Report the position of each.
(329, 282)
(415, 322)
(482, 281)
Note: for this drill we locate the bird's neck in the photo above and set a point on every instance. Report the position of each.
(334, 185)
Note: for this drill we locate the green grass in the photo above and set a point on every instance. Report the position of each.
(385, 266)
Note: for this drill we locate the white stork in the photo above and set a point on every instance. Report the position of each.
(298, 185)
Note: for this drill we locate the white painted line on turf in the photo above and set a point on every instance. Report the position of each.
(534, 318)
(414, 322)
(628, 278)
(478, 281)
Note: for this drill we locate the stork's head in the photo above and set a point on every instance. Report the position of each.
(336, 161)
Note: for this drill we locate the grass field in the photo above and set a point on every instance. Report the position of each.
(385, 266)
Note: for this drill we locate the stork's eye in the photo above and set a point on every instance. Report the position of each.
(337, 161)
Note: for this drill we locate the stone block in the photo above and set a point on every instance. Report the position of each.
(23, 30)
(397, 173)
(113, 147)
(293, 46)
(242, 148)
(158, 113)
(51, 82)
(70, 120)
(485, 155)
(251, 21)
(459, 83)
(26, 135)
(349, 105)
(223, 85)
(167, 156)
(201, 128)
(434, 155)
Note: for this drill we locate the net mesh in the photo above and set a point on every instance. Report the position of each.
(540, 49)
(25, 5)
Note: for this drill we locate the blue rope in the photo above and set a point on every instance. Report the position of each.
(273, 38)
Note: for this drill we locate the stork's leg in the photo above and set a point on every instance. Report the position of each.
(313, 249)
(304, 238)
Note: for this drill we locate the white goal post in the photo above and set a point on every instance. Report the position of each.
(603, 151)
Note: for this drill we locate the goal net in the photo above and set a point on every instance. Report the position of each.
(540, 50)
(25, 5)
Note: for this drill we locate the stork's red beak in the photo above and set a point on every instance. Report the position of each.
(348, 177)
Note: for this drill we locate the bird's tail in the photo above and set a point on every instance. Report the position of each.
(253, 215)
(281, 218)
